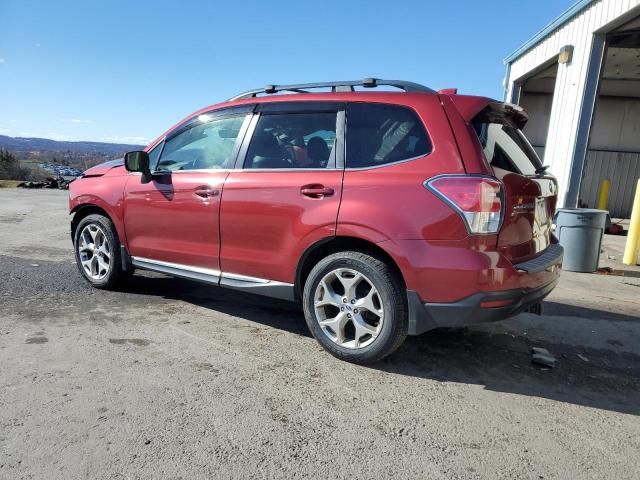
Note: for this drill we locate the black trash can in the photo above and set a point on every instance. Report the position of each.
(580, 232)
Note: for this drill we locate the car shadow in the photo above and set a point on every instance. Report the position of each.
(631, 273)
(499, 362)
(566, 310)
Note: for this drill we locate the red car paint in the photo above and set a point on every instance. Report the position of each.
(260, 224)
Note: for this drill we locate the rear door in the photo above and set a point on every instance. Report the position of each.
(285, 194)
(530, 193)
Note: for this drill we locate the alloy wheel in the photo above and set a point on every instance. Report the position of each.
(94, 251)
(348, 308)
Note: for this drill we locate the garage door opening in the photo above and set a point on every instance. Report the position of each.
(614, 143)
(536, 97)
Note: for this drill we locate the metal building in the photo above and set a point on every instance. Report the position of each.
(579, 79)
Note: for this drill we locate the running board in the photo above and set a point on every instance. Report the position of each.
(259, 286)
(205, 275)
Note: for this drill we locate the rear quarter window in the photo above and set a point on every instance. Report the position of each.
(381, 134)
(506, 147)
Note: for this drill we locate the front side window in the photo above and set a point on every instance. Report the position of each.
(381, 134)
(206, 144)
(293, 140)
(154, 155)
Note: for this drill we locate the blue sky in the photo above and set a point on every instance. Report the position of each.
(124, 71)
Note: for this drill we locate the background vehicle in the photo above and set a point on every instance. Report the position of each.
(384, 213)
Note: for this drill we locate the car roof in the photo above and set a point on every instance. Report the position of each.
(336, 86)
(390, 97)
(341, 91)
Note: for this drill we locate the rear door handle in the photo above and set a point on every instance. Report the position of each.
(206, 192)
(316, 191)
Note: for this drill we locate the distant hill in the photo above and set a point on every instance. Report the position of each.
(31, 152)
(21, 144)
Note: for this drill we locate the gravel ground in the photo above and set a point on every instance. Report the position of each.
(172, 379)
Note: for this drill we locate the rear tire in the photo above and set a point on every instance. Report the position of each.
(97, 251)
(355, 306)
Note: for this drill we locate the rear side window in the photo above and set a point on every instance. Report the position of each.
(381, 134)
(507, 148)
(293, 140)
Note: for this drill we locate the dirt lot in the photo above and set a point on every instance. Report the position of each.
(172, 379)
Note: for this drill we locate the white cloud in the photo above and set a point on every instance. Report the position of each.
(75, 120)
(2, 60)
(125, 139)
(50, 134)
(59, 136)
(37, 45)
(13, 120)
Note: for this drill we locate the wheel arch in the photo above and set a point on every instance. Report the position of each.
(327, 246)
(83, 210)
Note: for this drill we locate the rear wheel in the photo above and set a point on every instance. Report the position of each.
(355, 306)
(97, 250)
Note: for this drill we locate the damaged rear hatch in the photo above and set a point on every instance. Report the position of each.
(530, 192)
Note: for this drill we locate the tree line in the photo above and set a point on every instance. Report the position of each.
(10, 168)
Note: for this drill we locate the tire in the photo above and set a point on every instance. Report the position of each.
(91, 258)
(384, 311)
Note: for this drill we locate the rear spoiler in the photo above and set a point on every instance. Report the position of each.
(462, 110)
(492, 111)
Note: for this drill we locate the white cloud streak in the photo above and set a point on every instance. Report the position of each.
(125, 139)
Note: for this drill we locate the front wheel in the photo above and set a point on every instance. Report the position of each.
(97, 250)
(355, 306)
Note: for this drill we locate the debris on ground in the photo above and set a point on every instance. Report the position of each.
(51, 182)
(30, 185)
(615, 229)
(583, 358)
(609, 271)
(542, 356)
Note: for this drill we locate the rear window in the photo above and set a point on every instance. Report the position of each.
(507, 148)
(380, 134)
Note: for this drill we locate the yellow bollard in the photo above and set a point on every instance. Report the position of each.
(633, 238)
(603, 195)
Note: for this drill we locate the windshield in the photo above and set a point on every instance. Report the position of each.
(507, 148)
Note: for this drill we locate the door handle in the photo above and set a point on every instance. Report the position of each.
(316, 191)
(206, 192)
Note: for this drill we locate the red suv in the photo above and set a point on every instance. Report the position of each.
(386, 213)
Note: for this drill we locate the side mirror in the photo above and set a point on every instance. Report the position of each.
(137, 161)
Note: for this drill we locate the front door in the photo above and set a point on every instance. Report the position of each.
(174, 218)
(285, 196)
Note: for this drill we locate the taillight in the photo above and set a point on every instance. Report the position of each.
(478, 200)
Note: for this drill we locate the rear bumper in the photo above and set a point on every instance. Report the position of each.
(473, 309)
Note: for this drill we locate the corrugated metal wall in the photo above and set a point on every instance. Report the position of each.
(623, 169)
(538, 107)
(614, 148)
(616, 125)
(570, 80)
(540, 152)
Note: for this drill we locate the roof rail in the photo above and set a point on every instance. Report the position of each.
(346, 86)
